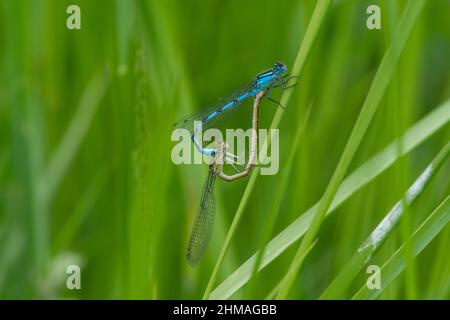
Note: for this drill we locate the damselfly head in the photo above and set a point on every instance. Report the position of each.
(279, 68)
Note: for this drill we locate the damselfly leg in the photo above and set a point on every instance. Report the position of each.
(285, 80)
(233, 161)
(278, 103)
(282, 82)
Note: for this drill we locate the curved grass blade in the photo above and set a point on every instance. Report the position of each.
(372, 168)
(439, 280)
(383, 230)
(423, 235)
(275, 290)
(276, 205)
(74, 135)
(204, 222)
(376, 92)
(79, 214)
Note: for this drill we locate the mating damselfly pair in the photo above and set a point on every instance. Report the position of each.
(260, 87)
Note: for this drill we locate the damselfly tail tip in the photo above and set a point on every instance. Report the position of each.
(190, 260)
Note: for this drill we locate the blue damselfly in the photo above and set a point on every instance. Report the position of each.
(205, 118)
(204, 220)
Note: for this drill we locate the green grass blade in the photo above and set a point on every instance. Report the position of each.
(304, 50)
(68, 231)
(376, 92)
(439, 280)
(276, 204)
(384, 229)
(77, 130)
(372, 168)
(275, 290)
(423, 235)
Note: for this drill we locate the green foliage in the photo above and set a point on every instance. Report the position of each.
(86, 176)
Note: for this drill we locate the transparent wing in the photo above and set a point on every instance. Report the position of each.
(204, 222)
(188, 121)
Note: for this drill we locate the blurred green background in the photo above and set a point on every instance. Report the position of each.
(85, 121)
